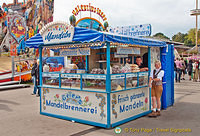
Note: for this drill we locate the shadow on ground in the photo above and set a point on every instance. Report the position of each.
(180, 116)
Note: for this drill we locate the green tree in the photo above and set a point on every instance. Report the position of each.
(179, 37)
(191, 35)
(190, 38)
(188, 42)
(161, 36)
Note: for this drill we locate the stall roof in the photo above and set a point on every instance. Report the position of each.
(87, 35)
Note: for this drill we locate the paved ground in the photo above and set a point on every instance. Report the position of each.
(5, 65)
(19, 116)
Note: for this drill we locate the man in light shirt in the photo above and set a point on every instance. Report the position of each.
(155, 83)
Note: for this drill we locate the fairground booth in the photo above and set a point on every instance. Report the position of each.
(96, 84)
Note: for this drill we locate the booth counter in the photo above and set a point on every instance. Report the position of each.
(76, 101)
(105, 100)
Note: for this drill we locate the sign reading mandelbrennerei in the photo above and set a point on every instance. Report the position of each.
(57, 32)
(80, 105)
(75, 52)
(128, 50)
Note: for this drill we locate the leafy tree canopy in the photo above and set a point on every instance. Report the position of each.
(161, 36)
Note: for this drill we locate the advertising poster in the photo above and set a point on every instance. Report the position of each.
(88, 106)
(127, 104)
(24, 66)
(54, 63)
(17, 28)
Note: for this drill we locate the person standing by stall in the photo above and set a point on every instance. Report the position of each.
(34, 76)
(178, 69)
(38, 77)
(183, 69)
(155, 83)
(189, 69)
(140, 64)
(195, 71)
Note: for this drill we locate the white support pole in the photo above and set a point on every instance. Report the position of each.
(197, 27)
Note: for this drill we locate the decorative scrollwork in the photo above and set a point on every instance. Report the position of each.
(45, 91)
(101, 104)
(114, 102)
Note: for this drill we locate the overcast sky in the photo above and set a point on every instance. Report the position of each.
(166, 16)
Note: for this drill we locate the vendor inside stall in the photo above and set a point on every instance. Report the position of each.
(140, 64)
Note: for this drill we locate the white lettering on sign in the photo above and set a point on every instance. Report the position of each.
(120, 55)
(131, 75)
(143, 74)
(137, 30)
(118, 76)
(75, 52)
(128, 50)
(103, 77)
(49, 75)
(70, 76)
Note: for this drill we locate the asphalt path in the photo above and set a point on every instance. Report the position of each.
(19, 116)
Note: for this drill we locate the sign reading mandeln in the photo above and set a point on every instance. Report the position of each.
(127, 104)
(57, 32)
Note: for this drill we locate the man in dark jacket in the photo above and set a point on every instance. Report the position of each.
(35, 76)
(189, 69)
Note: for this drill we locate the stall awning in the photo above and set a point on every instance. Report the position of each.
(34, 41)
(86, 35)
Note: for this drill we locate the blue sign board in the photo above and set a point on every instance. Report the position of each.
(75, 52)
(128, 50)
(136, 30)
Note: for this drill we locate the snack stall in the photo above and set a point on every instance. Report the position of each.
(108, 91)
